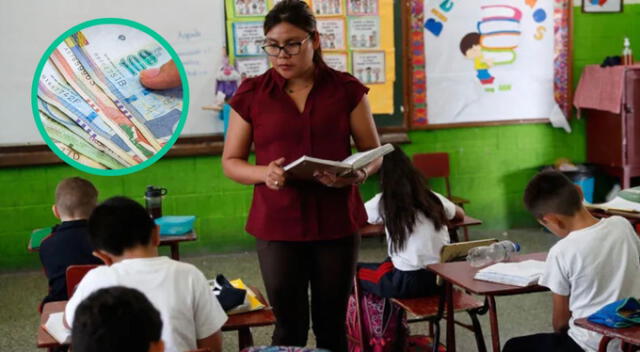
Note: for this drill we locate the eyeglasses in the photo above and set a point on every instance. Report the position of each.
(292, 48)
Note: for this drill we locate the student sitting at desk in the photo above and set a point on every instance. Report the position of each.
(117, 319)
(415, 220)
(68, 243)
(595, 263)
(126, 239)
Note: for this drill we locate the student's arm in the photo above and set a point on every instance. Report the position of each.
(561, 313)
(213, 342)
(459, 215)
(236, 150)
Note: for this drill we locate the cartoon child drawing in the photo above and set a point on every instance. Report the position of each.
(471, 49)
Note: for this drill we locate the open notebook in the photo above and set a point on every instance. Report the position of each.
(522, 274)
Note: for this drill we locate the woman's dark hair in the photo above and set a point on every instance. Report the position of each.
(297, 13)
(405, 194)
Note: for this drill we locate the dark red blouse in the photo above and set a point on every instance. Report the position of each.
(302, 211)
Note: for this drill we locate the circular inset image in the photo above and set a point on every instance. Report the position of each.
(90, 105)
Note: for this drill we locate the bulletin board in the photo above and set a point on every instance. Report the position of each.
(516, 68)
(357, 36)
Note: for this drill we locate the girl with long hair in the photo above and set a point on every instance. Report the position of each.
(415, 220)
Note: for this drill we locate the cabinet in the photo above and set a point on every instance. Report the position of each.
(613, 138)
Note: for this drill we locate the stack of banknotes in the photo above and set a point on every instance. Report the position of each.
(92, 104)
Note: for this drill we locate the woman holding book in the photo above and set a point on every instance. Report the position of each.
(306, 230)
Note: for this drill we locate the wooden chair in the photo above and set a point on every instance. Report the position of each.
(431, 308)
(436, 165)
(74, 275)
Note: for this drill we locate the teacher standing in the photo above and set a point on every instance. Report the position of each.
(306, 231)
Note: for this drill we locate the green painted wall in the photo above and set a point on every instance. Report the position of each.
(491, 166)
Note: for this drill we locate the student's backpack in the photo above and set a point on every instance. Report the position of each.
(382, 327)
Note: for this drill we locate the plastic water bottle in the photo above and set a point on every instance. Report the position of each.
(496, 252)
(627, 55)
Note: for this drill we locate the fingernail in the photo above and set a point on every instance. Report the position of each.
(150, 73)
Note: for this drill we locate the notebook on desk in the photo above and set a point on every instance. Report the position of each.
(525, 273)
(56, 328)
(617, 204)
(38, 235)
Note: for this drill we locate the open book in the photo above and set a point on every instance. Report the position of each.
(56, 328)
(522, 274)
(305, 166)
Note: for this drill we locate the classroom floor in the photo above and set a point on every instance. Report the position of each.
(20, 294)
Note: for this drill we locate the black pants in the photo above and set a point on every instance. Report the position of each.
(546, 342)
(289, 269)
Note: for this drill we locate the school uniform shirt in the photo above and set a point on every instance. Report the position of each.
(67, 245)
(301, 210)
(179, 291)
(423, 245)
(594, 266)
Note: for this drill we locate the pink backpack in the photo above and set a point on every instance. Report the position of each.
(382, 327)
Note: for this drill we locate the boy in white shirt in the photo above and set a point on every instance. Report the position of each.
(595, 262)
(126, 239)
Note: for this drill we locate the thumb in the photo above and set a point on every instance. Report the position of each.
(279, 162)
(165, 77)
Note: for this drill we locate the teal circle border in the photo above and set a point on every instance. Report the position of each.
(185, 97)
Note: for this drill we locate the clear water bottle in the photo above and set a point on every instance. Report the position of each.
(496, 252)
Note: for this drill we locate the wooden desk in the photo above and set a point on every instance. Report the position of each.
(461, 274)
(633, 217)
(44, 340)
(244, 321)
(373, 230)
(172, 241)
(629, 336)
(241, 322)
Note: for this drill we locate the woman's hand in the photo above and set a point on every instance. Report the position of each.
(330, 179)
(274, 177)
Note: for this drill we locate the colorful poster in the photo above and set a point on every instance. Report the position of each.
(327, 7)
(248, 38)
(364, 32)
(248, 8)
(489, 60)
(252, 66)
(368, 66)
(362, 7)
(332, 34)
(337, 61)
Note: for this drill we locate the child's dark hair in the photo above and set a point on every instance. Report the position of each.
(552, 192)
(468, 41)
(119, 223)
(115, 319)
(404, 196)
(297, 13)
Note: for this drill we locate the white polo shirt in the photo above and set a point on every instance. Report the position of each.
(594, 266)
(423, 245)
(181, 293)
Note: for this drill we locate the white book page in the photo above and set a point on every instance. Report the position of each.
(56, 328)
